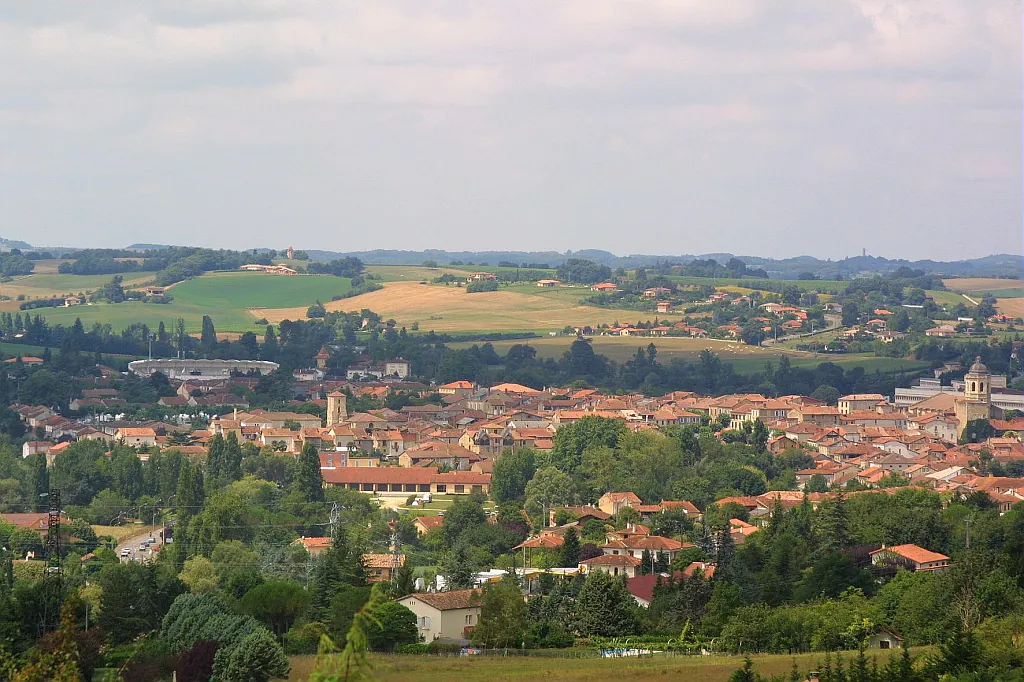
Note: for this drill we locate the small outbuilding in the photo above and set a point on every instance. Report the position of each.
(883, 639)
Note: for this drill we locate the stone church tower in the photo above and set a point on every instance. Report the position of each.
(337, 408)
(976, 402)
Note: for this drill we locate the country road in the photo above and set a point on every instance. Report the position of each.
(133, 541)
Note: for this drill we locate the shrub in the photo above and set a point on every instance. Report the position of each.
(304, 639)
(419, 648)
(476, 287)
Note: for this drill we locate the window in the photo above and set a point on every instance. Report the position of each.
(425, 622)
(469, 619)
(460, 488)
(883, 644)
(442, 488)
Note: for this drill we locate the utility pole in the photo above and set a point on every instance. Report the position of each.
(53, 576)
(334, 518)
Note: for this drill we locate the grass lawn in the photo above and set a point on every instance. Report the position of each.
(232, 299)
(521, 668)
(12, 350)
(438, 503)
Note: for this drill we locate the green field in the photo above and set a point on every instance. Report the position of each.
(52, 285)
(744, 359)
(522, 668)
(947, 298)
(824, 286)
(224, 296)
(13, 350)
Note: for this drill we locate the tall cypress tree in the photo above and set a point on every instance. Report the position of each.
(232, 464)
(215, 461)
(270, 348)
(208, 336)
(309, 481)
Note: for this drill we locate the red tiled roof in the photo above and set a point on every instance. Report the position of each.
(383, 560)
(611, 560)
(448, 601)
(918, 555)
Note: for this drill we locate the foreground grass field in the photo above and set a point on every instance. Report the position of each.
(495, 668)
(744, 358)
(232, 299)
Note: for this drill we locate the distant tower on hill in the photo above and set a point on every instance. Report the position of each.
(322, 357)
(291, 253)
(337, 408)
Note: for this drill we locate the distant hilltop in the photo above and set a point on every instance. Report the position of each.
(999, 265)
(8, 244)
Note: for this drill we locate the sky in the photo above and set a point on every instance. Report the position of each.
(638, 126)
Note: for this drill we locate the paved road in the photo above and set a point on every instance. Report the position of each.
(133, 541)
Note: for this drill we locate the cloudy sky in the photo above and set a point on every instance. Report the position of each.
(646, 126)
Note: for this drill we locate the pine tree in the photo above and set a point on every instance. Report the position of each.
(646, 562)
(826, 670)
(746, 673)
(859, 671)
(571, 549)
(309, 481)
(839, 674)
(457, 568)
(834, 523)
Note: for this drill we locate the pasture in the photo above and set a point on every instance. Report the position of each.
(1014, 307)
(411, 273)
(980, 286)
(232, 299)
(498, 668)
(55, 285)
(451, 309)
(744, 359)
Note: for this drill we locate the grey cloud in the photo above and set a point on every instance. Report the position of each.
(658, 126)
